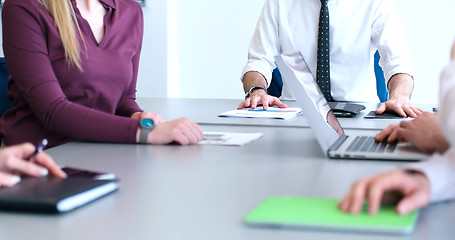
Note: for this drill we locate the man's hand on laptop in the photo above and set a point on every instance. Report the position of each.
(260, 97)
(423, 132)
(401, 106)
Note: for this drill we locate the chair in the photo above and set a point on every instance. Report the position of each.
(5, 102)
(381, 88)
(276, 84)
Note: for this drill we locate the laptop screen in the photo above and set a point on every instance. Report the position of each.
(298, 79)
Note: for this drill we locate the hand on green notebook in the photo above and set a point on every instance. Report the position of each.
(410, 190)
(323, 214)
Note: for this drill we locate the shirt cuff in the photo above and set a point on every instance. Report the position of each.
(260, 68)
(404, 67)
(440, 172)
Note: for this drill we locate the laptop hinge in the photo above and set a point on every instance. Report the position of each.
(337, 143)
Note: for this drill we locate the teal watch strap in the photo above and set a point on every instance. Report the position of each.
(147, 125)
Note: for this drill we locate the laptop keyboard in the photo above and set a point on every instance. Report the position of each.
(368, 144)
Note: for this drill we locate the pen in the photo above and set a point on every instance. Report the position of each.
(39, 148)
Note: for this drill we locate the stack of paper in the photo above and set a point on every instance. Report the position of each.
(259, 112)
(229, 138)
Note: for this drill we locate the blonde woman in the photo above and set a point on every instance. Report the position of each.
(74, 66)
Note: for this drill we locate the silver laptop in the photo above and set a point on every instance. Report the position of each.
(331, 137)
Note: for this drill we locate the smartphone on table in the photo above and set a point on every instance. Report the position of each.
(75, 172)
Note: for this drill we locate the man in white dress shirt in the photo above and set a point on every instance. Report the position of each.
(357, 29)
(421, 183)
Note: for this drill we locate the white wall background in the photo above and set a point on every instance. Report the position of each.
(214, 39)
(197, 49)
(152, 80)
(430, 30)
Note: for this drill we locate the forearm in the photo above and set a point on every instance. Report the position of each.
(253, 79)
(400, 86)
(257, 96)
(128, 107)
(90, 124)
(75, 121)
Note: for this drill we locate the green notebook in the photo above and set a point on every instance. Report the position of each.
(320, 213)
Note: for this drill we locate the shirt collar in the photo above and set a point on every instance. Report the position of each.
(109, 3)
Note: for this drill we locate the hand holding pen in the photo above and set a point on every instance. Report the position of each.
(39, 148)
(45, 161)
(25, 159)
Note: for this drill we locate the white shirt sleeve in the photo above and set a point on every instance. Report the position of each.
(264, 45)
(440, 171)
(389, 37)
(440, 168)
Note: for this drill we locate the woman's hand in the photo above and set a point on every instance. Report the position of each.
(14, 161)
(182, 131)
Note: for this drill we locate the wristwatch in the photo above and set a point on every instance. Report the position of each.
(247, 94)
(147, 125)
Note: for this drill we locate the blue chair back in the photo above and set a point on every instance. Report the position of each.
(381, 88)
(276, 84)
(5, 102)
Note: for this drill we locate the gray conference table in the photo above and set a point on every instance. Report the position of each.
(206, 111)
(203, 192)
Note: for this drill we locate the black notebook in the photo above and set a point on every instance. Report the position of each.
(385, 115)
(53, 194)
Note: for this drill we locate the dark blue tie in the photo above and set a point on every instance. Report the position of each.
(323, 71)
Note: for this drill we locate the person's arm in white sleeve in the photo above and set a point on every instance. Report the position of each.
(418, 184)
(389, 37)
(263, 48)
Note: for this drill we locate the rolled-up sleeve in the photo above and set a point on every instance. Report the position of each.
(265, 42)
(389, 37)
